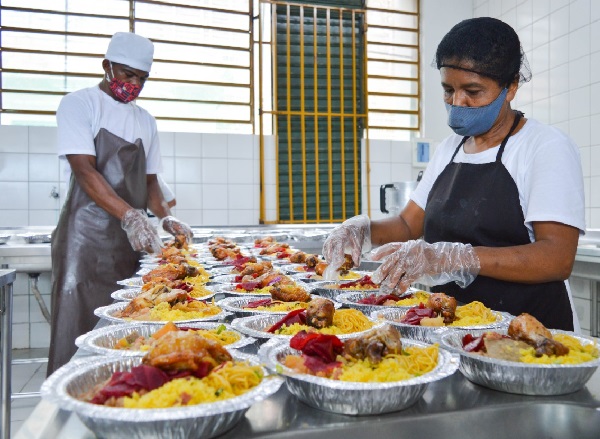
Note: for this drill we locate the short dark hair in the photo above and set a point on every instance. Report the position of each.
(491, 45)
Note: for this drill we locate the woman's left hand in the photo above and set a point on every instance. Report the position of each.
(405, 263)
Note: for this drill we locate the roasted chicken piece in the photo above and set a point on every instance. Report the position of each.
(171, 272)
(320, 268)
(290, 293)
(186, 351)
(443, 305)
(276, 247)
(256, 268)
(375, 345)
(319, 313)
(311, 261)
(153, 297)
(221, 253)
(529, 329)
(346, 266)
(298, 257)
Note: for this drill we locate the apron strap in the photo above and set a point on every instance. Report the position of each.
(518, 116)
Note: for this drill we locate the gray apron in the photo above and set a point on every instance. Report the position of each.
(90, 250)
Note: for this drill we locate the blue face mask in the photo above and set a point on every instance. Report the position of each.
(472, 121)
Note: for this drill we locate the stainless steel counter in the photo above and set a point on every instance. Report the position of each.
(452, 408)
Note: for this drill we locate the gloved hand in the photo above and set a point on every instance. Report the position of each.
(175, 227)
(430, 264)
(141, 233)
(352, 237)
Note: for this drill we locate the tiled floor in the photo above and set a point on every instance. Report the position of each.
(26, 378)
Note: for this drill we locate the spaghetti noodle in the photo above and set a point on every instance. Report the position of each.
(345, 321)
(230, 380)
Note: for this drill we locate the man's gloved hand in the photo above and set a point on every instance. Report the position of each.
(141, 233)
(175, 227)
(408, 262)
(352, 237)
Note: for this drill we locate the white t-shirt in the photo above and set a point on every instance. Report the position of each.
(546, 167)
(168, 194)
(83, 113)
(544, 163)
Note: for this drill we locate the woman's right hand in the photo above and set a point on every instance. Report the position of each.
(352, 237)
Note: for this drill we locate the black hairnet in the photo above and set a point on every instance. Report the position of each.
(492, 46)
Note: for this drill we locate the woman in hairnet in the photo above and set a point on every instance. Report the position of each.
(498, 213)
(111, 146)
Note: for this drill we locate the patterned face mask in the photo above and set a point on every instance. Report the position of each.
(124, 91)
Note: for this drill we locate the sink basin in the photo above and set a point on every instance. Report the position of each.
(533, 420)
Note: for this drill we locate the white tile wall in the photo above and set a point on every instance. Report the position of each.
(565, 61)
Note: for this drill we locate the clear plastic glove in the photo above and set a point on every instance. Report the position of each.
(175, 227)
(408, 262)
(352, 237)
(141, 233)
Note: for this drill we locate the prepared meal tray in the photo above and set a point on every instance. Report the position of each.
(538, 367)
(479, 318)
(368, 302)
(192, 311)
(371, 385)
(202, 413)
(134, 340)
(349, 323)
(248, 306)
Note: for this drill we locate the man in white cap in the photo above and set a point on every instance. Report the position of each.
(111, 146)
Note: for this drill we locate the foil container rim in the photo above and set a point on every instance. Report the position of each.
(377, 315)
(54, 390)
(123, 293)
(347, 299)
(242, 325)
(448, 364)
(104, 312)
(444, 342)
(87, 341)
(231, 304)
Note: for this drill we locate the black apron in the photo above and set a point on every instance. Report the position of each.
(478, 204)
(90, 250)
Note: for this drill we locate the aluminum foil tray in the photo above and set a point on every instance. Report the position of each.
(350, 300)
(321, 288)
(353, 398)
(256, 326)
(4, 238)
(128, 294)
(202, 420)
(521, 378)
(431, 334)
(132, 282)
(36, 238)
(225, 278)
(235, 305)
(229, 290)
(101, 341)
(106, 312)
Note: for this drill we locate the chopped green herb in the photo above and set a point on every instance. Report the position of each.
(219, 391)
(221, 328)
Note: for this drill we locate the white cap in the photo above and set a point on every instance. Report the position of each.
(132, 50)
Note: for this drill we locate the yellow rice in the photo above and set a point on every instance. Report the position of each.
(282, 306)
(578, 353)
(345, 321)
(163, 312)
(233, 379)
(412, 362)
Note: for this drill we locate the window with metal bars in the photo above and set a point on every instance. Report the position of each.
(200, 79)
(342, 71)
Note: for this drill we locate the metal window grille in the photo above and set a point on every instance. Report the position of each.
(201, 76)
(342, 71)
